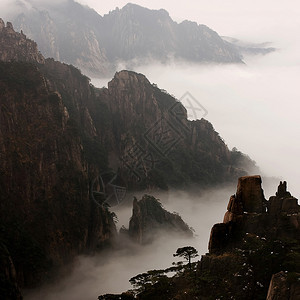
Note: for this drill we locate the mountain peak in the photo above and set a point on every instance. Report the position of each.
(136, 7)
(15, 46)
(149, 218)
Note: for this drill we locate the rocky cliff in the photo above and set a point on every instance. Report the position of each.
(26, 49)
(135, 32)
(253, 254)
(58, 133)
(157, 145)
(68, 32)
(46, 215)
(149, 219)
(132, 125)
(264, 237)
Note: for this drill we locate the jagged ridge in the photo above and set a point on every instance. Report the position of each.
(149, 219)
(132, 34)
(58, 133)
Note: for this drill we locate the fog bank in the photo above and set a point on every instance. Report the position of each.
(110, 271)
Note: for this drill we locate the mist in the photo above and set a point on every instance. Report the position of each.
(110, 271)
(9, 9)
(254, 107)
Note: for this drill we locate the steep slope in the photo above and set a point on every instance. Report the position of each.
(135, 32)
(157, 145)
(26, 50)
(253, 254)
(75, 34)
(66, 31)
(150, 219)
(58, 133)
(46, 214)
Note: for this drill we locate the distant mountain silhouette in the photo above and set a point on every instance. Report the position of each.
(77, 35)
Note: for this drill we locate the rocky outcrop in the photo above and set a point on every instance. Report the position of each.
(248, 203)
(254, 227)
(159, 131)
(250, 194)
(248, 210)
(283, 202)
(15, 46)
(149, 219)
(283, 288)
(254, 254)
(249, 198)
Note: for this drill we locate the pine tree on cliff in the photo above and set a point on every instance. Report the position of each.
(187, 253)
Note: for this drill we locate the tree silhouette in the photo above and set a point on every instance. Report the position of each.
(187, 253)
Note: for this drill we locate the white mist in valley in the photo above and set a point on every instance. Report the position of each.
(255, 107)
(110, 271)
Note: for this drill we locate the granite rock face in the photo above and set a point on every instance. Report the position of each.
(171, 150)
(283, 201)
(67, 32)
(281, 288)
(248, 210)
(253, 254)
(250, 194)
(258, 229)
(249, 198)
(47, 216)
(15, 46)
(149, 219)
